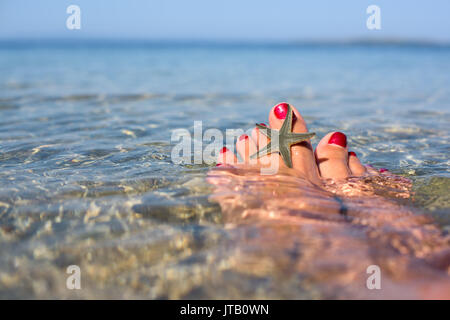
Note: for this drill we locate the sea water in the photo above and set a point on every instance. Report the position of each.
(86, 173)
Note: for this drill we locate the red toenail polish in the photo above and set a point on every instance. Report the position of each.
(351, 153)
(338, 138)
(280, 110)
(262, 124)
(383, 170)
(243, 137)
(223, 150)
(219, 164)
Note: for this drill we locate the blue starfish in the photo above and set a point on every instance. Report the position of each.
(282, 140)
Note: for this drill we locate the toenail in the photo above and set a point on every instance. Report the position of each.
(351, 153)
(280, 110)
(262, 124)
(338, 138)
(383, 170)
(219, 164)
(243, 137)
(223, 150)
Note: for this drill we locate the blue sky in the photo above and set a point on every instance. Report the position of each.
(253, 20)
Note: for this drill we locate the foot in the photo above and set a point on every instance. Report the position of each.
(335, 215)
(330, 160)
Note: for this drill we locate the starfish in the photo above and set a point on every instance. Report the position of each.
(282, 140)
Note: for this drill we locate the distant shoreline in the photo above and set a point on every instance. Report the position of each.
(77, 42)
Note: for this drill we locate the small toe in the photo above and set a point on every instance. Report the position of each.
(332, 156)
(370, 169)
(355, 165)
(246, 146)
(226, 156)
(261, 140)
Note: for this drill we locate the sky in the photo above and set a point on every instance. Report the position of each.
(245, 20)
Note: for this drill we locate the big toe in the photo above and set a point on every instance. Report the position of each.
(332, 156)
(302, 154)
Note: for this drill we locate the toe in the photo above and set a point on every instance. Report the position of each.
(226, 157)
(246, 146)
(258, 137)
(261, 140)
(370, 169)
(332, 156)
(355, 165)
(302, 154)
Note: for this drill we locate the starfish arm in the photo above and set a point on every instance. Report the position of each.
(287, 124)
(295, 138)
(268, 149)
(286, 155)
(265, 130)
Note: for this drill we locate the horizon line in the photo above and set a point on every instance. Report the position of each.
(388, 41)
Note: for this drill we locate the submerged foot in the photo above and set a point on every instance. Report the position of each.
(338, 213)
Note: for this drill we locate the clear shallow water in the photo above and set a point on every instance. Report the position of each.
(85, 170)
